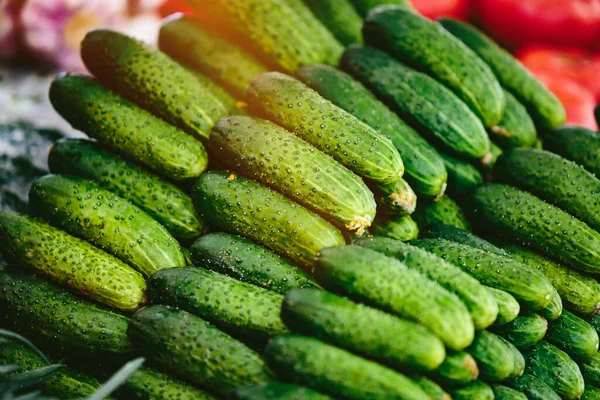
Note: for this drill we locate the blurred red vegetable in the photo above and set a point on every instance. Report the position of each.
(433, 9)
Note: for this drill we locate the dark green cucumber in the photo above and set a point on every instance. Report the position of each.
(458, 369)
(150, 384)
(307, 361)
(279, 159)
(432, 389)
(578, 144)
(474, 391)
(590, 392)
(53, 317)
(276, 390)
(574, 336)
(590, 370)
(340, 17)
(539, 144)
(420, 100)
(523, 331)
(515, 129)
(424, 169)
(246, 261)
(249, 311)
(534, 388)
(396, 198)
(385, 282)
(527, 284)
(148, 77)
(454, 234)
(364, 6)
(555, 368)
(543, 106)
(71, 261)
(536, 224)
(478, 300)
(403, 228)
(298, 108)
(127, 129)
(505, 393)
(462, 176)
(495, 357)
(496, 152)
(443, 211)
(360, 329)
(111, 223)
(553, 310)
(241, 206)
(183, 38)
(428, 47)
(193, 349)
(508, 306)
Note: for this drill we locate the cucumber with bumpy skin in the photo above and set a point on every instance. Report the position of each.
(276, 390)
(574, 336)
(403, 228)
(458, 369)
(454, 234)
(462, 176)
(508, 306)
(553, 310)
(534, 388)
(148, 384)
(505, 393)
(515, 129)
(364, 6)
(340, 17)
(475, 391)
(523, 331)
(495, 357)
(432, 389)
(590, 392)
(396, 198)
(578, 144)
(443, 211)
(590, 369)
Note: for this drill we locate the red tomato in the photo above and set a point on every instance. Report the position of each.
(173, 6)
(433, 9)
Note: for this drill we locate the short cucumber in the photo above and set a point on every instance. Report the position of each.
(340, 17)
(475, 391)
(495, 357)
(276, 390)
(396, 198)
(307, 361)
(239, 206)
(516, 128)
(574, 336)
(454, 234)
(363, 330)
(462, 176)
(432, 389)
(553, 310)
(403, 228)
(458, 369)
(590, 392)
(505, 393)
(443, 211)
(364, 6)
(523, 331)
(590, 369)
(534, 388)
(71, 261)
(578, 144)
(508, 306)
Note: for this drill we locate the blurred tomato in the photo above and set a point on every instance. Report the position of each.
(443, 8)
(173, 6)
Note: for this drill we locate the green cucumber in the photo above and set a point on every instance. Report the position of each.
(298, 108)
(443, 211)
(515, 129)
(578, 144)
(574, 336)
(553, 310)
(307, 361)
(523, 331)
(241, 206)
(424, 169)
(396, 198)
(458, 369)
(279, 159)
(249, 311)
(127, 129)
(71, 261)
(149, 384)
(385, 282)
(432, 389)
(403, 228)
(590, 370)
(245, 261)
(534, 388)
(276, 390)
(565, 238)
(361, 329)
(506, 393)
(420, 100)
(543, 106)
(480, 303)
(590, 392)
(364, 6)
(454, 234)
(496, 152)
(462, 176)
(495, 357)
(234, 107)
(148, 77)
(508, 307)
(84, 209)
(340, 17)
(474, 391)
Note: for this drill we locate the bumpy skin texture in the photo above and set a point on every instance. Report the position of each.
(364, 6)
(458, 369)
(524, 331)
(516, 128)
(475, 391)
(505, 393)
(244, 207)
(591, 393)
(454, 234)
(424, 169)
(277, 390)
(403, 228)
(432, 389)
(71, 262)
(385, 282)
(522, 218)
(234, 107)
(534, 388)
(462, 175)
(279, 159)
(574, 336)
(293, 105)
(508, 307)
(396, 198)
(151, 79)
(127, 129)
(590, 369)
(494, 356)
(149, 384)
(361, 329)
(161, 199)
(444, 211)
(340, 17)
(577, 144)
(420, 100)
(553, 310)
(543, 106)
(195, 350)
(58, 319)
(307, 361)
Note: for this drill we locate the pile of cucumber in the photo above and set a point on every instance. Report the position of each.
(280, 204)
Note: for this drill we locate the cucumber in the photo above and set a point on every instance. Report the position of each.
(279, 159)
(462, 176)
(149, 384)
(432, 389)
(495, 357)
(245, 261)
(111, 223)
(420, 100)
(248, 311)
(360, 329)
(566, 238)
(196, 351)
(553, 310)
(276, 390)
(574, 336)
(544, 107)
(364, 6)
(127, 129)
(293, 231)
(474, 391)
(578, 144)
(534, 388)
(454, 234)
(424, 169)
(480, 303)
(553, 179)
(58, 319)
(590, 392)
(340, 17)
(71, 262)
(590, 370)
(385, 282)
(508, 306)
(307, 361)
(396, 198)
(505, 393)
(523, 331)
(298, 108)
(496, 153)
(443, 211)
(526, 284)
(458, 369)
(183, 38)
(555, 368)
(233, 106)
(148, 77)
(403, 228)
(516, 128)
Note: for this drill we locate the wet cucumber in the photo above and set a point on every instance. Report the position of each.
(233, 106)
(363, 330)
(454, 234)
(364, 6)
(515, 129)
(396, 198)
(127, 129)
(385, 282)
(578, 144)
(590, 370)
(279, 159)
(420, 100)
(340, 17)
(248, 262)
(543, 106)
(534, 388)
(458, 369)
(403, 228)
(508, 306)
(506, 393)
(590, 392)
(424, 169)
(307, 361)
(298, 108)
(71, 261)
(574, 336)
(443, 211)
(462, 176)
(228, 203)
(523, 331)
(474, 391)
(149, 384)
(495, 357)
(432, 389)
(276, 390)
